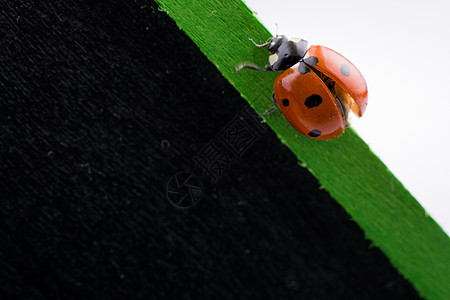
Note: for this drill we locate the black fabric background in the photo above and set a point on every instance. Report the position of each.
(101, 104)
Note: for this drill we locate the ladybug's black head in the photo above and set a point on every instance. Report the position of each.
(285, 53)
(275, 42)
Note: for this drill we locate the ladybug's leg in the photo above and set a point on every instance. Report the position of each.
(274, 100)
(270, 110)
(259, 45)
(247, 65)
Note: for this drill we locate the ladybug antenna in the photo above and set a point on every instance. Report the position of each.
(276, 33)
(248, 65)
(260, 45)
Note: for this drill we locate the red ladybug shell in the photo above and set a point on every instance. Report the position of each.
(306, 101)
(341, 70)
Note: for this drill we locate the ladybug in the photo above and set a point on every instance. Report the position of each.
(318, 88)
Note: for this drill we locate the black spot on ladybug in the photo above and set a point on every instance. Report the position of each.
(285, 102)
(303, 68)
(345, 70)
(312, 61)
(315, 133)
(313, 101)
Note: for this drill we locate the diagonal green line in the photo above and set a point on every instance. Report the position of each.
(390, 217)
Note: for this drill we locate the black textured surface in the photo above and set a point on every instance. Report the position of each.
(101, 104)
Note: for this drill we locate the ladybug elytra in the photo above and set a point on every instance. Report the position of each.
(318, 88)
